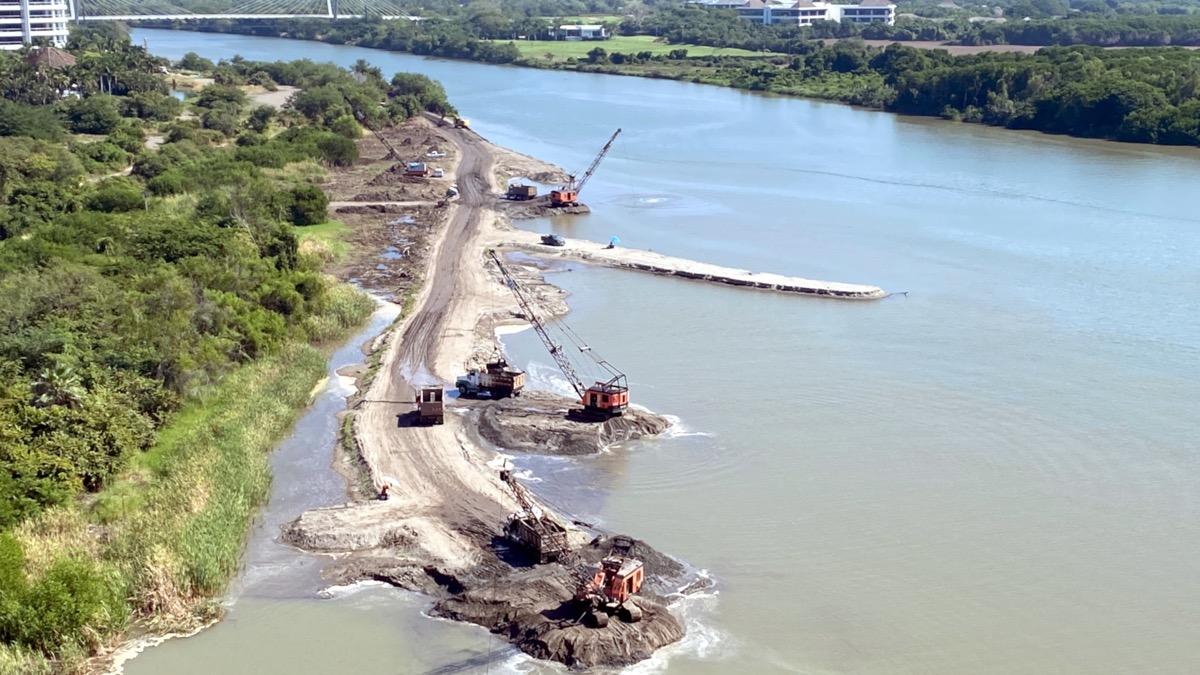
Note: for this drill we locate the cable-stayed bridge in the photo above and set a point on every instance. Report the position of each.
(147, 10)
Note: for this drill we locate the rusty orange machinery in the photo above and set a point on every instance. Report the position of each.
(617, 578)
(606, 399)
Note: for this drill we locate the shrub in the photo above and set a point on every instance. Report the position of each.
(96, 114)
(337, 150)
(346, 126)
(260, 118)
(150, 105)
(194, 62)
(309, 205)
(18, 119)
(116, 195)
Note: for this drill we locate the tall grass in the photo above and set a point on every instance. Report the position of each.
(168, 536)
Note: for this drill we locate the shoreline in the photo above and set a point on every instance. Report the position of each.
(616, 70)
(437, 531)
(663, 265)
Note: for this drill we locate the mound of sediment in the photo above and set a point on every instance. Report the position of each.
(535, 610)
(539, 208)
(352, 527)
(542, 423)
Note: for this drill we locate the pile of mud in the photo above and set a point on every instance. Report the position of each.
(537, 208)
(534, 606)
(548, 424)
(536, 611)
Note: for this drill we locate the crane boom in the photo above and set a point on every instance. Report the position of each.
(568, 195)
(555, 349)
(596, 162)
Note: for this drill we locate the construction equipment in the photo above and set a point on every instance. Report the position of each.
(362, 119)
(616, 579)
(460, 123)
(497, 379)
(568, 195)
(430, 408)
(419, 169)
(521, 193)
(553, 240)
(603, 399)
(530, 528)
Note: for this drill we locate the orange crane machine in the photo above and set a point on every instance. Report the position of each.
(602, 400)
(568, 195)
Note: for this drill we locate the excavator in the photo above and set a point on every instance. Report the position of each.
(601, 591)
(568, 195)
(602, 400)
(610, 588)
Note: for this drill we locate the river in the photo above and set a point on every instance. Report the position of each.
(996, 473)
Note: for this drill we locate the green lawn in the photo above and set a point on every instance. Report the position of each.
(626, 44)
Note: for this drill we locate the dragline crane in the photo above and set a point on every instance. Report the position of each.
(602, 399)
(568, 195)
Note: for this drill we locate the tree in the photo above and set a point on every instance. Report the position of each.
(96, 114)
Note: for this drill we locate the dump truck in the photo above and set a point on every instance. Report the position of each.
(495, 380)
(521, 193)
(430, 407)
(541, 536)
(416, 169)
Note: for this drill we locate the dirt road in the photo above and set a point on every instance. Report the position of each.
(444, 498)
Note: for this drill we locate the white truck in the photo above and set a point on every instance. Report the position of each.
(495, 380)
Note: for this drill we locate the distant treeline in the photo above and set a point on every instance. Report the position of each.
(722, 28)
(1146, 95)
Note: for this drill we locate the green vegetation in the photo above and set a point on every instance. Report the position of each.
(562, 50)
(164, 309)
(1148, 95)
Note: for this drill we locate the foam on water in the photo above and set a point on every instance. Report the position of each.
(680, 430)
(346, 590)
(701, 640)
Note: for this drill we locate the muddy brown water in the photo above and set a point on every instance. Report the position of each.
(999, 473)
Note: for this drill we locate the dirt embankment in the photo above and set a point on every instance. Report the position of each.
(394, 220)
(441, 530)
(543, 423)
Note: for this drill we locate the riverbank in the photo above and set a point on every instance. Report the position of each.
(1070, 100)
(173, 525)
(439, 530)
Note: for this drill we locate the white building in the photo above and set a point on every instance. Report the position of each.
(575, 31)
(24, 22)
(805, 12)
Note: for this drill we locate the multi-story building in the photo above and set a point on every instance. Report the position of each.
(24, 22)
(805, 12)
(870, 11)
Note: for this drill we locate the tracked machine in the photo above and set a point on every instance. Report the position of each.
(603, 399)
(610, 589)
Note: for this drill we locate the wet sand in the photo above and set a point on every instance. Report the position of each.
(656, 263)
